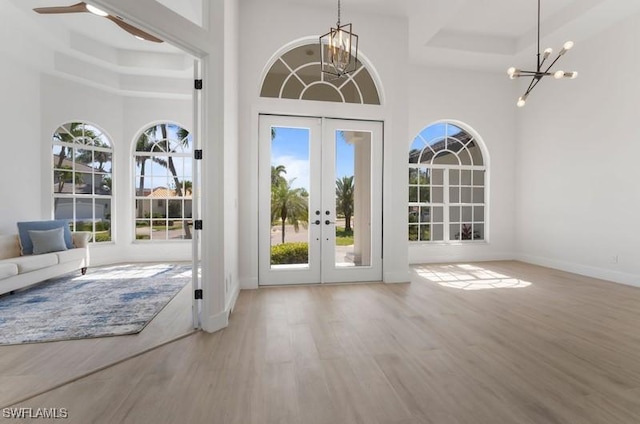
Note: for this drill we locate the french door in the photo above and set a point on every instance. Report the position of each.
(320, 200)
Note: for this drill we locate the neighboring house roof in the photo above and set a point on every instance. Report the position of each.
(66, 163)
(163, 192)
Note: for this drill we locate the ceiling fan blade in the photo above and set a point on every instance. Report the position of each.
(74, 8)
(133, 30)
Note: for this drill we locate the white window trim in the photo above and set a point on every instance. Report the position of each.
(446, 204)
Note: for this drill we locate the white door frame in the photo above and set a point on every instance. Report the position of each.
(196, 192)
(321, 267)
(372, 179)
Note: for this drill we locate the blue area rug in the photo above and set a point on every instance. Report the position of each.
(108, 301)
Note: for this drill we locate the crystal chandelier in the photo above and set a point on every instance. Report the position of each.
(539, 73)
(339, 50)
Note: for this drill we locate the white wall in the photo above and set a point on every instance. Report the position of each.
(266, 28)
(231, 62)
(483, 101)
(20, 172)
(577, 162)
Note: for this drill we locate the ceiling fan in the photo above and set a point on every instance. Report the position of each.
(84, 7)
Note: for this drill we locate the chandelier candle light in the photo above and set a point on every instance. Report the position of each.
(538, 74)
(339, 50)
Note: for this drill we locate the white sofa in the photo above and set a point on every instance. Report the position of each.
(17, 271)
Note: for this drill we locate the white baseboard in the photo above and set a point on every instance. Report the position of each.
(396, 277)
(586, 270)
(448, 258)
(249, 283)
(217, 322)
(231, 304)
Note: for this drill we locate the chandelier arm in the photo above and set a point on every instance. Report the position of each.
(531, 85)
(534, 82)
(552, 63)
(544, 59)
(533, 74)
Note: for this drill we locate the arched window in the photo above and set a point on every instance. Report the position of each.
(447, 185)
(83, 178)
(163, 176)
(296, 75)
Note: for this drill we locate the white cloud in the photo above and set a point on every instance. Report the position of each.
(296, 168)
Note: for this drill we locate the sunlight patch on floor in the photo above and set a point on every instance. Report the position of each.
(468, 277)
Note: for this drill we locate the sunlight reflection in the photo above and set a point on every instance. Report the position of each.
(468, 277)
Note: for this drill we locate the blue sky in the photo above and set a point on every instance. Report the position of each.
(290, 148)
(434, 132)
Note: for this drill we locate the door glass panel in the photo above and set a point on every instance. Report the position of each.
(290, 176)
(353, 198)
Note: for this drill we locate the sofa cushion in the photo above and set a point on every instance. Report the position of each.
(9, 246)
(8, 269)
(25, 240)
(47, 241)
(70, 255)
(35, 262)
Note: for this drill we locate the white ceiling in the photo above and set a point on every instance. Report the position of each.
(475, 34)
(487, 34)
(96, 27)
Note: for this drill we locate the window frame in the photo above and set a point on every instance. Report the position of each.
(80, 143)
(165, 201)
(275, 84)
(446, 186)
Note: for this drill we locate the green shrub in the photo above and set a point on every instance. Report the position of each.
(290, 253)
(84, 226)
(103, 226)
(103, 237)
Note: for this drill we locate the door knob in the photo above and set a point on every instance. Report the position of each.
(327, 222)
(317, 212)
(317, 222)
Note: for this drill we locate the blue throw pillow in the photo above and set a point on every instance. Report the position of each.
(46, 241)
(25, 240)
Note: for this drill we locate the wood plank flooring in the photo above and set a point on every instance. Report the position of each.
(485, 343)
(29, 369)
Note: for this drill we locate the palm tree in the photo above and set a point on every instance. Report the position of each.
(182, 135)
(188, 186)
(344, 200)
(92, 156)
(67, 175)
(289, 205)
(75, 130)
(276, 174)
(68, 133)
(144, 144)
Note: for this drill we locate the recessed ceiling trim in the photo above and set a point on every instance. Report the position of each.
(459, 40)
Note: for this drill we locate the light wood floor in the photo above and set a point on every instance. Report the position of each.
(513, 343)
(29, 369)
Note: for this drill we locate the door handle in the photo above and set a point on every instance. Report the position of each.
(317, 222)
(327, 222)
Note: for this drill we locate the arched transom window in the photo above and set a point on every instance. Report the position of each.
(82, 178)
(296, 75)
(163, 177)
(447, 184)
